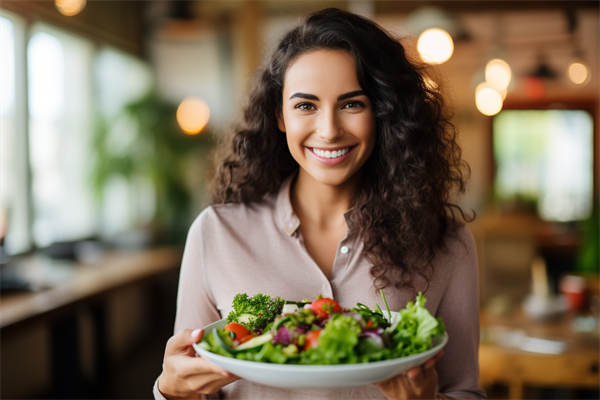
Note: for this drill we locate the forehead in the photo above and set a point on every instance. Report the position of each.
(322, 71)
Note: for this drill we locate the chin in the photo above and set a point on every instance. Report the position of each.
(331, 178)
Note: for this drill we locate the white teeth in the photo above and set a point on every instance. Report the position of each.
(331, 154)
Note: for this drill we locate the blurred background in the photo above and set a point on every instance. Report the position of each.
(109, 110)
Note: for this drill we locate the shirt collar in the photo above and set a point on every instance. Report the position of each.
(285, 213)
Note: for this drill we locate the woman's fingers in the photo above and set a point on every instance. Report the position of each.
(200, 366)
(209, 383)
(432, 361)
(415, 377)
(422, 381)
(183, 340)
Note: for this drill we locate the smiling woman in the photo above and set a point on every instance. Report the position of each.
(336, 182)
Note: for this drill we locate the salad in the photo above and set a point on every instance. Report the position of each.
(321, 332)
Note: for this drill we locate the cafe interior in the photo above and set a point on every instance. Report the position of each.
(110, 111)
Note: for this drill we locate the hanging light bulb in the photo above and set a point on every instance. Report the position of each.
(435, 46)
(579, 72)
(498, 74)
(192, 115)
(488, 100)
(70, 7)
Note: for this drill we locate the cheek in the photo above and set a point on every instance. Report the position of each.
(366, 129)
(298, 130)
(298, 126)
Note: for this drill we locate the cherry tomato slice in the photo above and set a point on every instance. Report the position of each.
(312, 339)
(246, 338)
(325, 306)
(239, 330)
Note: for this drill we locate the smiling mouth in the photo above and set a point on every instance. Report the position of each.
(331, 154)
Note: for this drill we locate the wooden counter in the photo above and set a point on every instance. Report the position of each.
(82, 322)
(76, 283)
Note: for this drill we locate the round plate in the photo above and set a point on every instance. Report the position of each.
(317, 376)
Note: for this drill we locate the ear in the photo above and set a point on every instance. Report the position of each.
(280, 121)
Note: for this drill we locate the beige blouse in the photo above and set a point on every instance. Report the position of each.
(258, 248)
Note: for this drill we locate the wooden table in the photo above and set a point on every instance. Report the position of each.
(78, 288)
(576, 368)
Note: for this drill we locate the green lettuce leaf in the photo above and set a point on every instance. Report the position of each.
(336, 342)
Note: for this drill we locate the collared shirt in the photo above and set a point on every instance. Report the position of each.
(258, 248)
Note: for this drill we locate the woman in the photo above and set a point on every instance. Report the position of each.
(336, 182)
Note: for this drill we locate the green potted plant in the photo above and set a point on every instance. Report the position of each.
(156, 149)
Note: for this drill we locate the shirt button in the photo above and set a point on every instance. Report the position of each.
(344, 249)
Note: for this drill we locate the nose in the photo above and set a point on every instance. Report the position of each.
(329, 128)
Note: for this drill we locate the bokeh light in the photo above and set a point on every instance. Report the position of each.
(498, 74)
(70, 7)
(579, 73)
(435, 46)
(193, 114)
(487, 99)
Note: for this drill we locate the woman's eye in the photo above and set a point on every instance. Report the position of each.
(305, 106)
(353, 105)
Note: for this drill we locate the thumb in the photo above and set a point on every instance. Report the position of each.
(196, 336)
(183, 340)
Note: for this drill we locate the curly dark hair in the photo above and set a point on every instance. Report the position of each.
(402, 207)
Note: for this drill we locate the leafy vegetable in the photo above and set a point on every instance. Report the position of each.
(416, 328)
(322, 338)
(255, 312)
(336, 342)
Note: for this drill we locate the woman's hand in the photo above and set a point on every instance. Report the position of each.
(416, 383)
(186, 376)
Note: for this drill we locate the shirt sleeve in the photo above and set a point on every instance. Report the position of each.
(195, 308)
(458, 369)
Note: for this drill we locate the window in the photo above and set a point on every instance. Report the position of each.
(54, 84)
(545, 157)
(61, 104)
(14, 188)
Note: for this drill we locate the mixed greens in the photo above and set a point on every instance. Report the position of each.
(321, 332)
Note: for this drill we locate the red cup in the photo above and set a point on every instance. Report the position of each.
(574, 289)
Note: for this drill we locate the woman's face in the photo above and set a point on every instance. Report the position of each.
(327, 118)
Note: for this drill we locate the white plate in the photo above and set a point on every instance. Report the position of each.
(317, 376)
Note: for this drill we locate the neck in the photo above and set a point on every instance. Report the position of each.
(321, 204)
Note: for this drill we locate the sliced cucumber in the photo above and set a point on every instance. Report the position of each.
(221, 343)
(255, 342)
(250, 344)
(280, 321)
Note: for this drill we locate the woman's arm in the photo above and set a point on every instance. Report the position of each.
(184, 374)
(456, 374)
(458, 370)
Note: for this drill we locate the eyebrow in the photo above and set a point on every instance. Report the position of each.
(344, 96)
